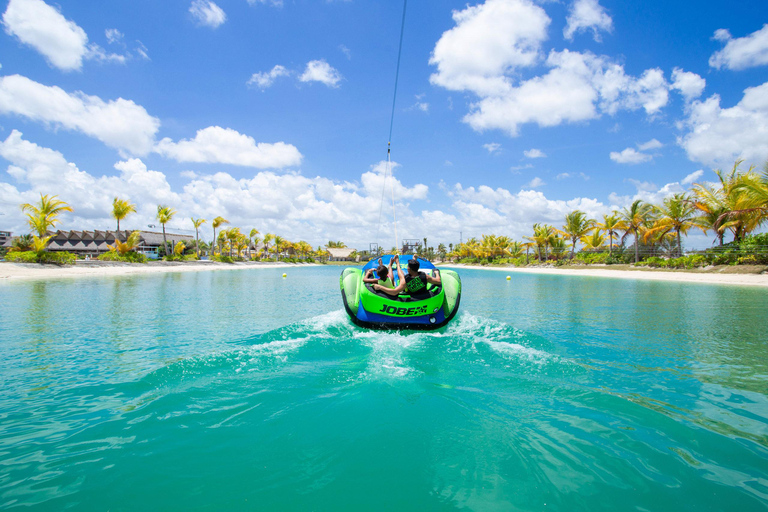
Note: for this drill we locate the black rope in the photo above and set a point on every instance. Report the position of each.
(397, 74)
(392, 117)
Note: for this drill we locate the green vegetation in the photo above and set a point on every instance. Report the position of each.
(737, 205)
(120, 210)
(129, 257)
(41, 217)
(55, 258)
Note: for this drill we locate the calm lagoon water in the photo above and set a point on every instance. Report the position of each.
(240, 390)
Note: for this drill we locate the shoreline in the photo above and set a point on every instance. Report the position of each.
(33, 271)
(747, 279)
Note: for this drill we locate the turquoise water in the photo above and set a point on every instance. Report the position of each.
(240, 390)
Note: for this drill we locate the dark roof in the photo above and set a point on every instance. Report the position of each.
(98, 240)
(153, 238)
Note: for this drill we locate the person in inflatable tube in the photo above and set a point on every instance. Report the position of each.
(384, 275)
(415, 282)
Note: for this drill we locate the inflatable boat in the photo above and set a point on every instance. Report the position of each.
(377, 310)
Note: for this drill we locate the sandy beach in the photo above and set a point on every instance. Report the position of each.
(30, 271)
(736, 279)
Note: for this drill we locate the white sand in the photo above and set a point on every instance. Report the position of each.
(648, 275)
(22, 271)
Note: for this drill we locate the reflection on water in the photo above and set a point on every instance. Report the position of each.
(236, 390)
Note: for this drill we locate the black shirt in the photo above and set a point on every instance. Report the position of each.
(417, 285)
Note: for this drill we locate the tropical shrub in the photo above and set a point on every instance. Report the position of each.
(53, 258)
(128, 257)
(591, 258)
(753, 259)
(22, 257)
(222, 258)
(686, 262)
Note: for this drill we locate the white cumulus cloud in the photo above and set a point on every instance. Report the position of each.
(630, 156)
(43, 170)
(227, 146)
(535, 183)
(316, 209)
(488, 41)
(207, 13)
(651, 144)
(321, 71)
(690, 85)
(743, 52)
(578, 87)
(120, 123)
(265, 79)
(718, 136)
(585, 15)
(693, 177)
(494, 44)
(492, 147)
(61, 41)
(534, 153)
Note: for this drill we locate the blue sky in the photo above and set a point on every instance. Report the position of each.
(275, 114)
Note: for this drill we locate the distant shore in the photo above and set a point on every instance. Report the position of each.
(724, 275)
(95, 268)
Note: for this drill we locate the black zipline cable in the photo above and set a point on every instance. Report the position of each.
(392, 118)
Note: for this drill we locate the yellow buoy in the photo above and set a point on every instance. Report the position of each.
(509, 277)
(285, 275)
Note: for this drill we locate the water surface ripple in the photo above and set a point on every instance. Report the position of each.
(244, 391)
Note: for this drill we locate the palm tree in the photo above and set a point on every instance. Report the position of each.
(755, 188)
(130, 244)
(22, 243)
(542, 237)
(279, 241)
(612, 224)
(120, 210)
(576, 226)
(515, 249)
(45, 214)
(268, 240)
(164, 216)
(197, 223)
(337, 245)
(178, 249)
(527, 246)
(251, 236)
(241, 243)
(558, 245)
(705, 200)
(255, 242)
(441, 251)
(733, 199)
(635, 218)
(595, 240)
(221, 241)
(677, 213)
(218, 221)
(233, 236)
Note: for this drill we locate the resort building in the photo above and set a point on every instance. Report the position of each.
(94, 243)
(5, 238)
(337, 254)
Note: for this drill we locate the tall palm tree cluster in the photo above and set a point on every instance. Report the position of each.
(234, 243)
(736, 204)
